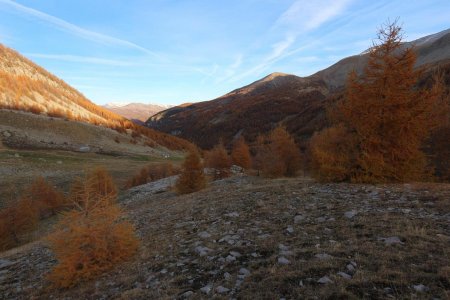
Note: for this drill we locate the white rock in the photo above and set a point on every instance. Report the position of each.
(204, 235)
(391, 240)
(298, 219)
(325, 280)
(84, 149)
(283, 260)
(350, 268)
(350, 214)
(244, 271)
(4, 263)
(233, 214)
(227, 276)
(283, 247)
(235, 254)
(323, 256)
(344, 275)
(202, 251)
(420, 288)
(187, 294)
(230, 258)
(290, 229)
(222, 290)
(206, 289)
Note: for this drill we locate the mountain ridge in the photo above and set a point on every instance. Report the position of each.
(27, 87)
(299, 103)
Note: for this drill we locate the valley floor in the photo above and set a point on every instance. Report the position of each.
(251, 238)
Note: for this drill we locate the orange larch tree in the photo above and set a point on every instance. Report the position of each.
(17, 219)
(240, 154)
(192, 178)
(219, 160)
(387, 115)
(46, 197)
(91, 238)
(278, 154)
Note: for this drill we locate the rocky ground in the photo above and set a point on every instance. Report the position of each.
(251, 238)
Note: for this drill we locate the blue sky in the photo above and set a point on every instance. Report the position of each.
(172, 51)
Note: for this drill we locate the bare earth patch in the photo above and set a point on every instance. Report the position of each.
(250, 238)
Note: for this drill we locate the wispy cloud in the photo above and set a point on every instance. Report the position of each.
(231, 70)
(74, 29)
(308, 15)
(301, 17)
(81, 59)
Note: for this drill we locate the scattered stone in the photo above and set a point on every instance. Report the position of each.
(235, 254)
(321, 219)
(187, 294)
(222, 290)
(233, 214)
(206, 289)
(245, 272)
(298, 219)
(323, 256)
(84, 149)
(6, 134)
(236, 169)
(264, 236)
(16, 155)
(324, 280)
(283, 247)
(391, 240)
(283, 260)
(202, 251)
(239, 282)
(350, 268)
(350, 214)
(344, 275)
(204, 235)
(230, 258)
(290, 229)
(59, 162)
(230, 239)
(227, 276)
(420, 288)
(4, 263)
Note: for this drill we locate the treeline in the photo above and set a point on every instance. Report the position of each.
(275, 155)
(392, 124)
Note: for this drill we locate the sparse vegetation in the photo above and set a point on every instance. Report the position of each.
(46, 198)
(17, 219)
(93, 237)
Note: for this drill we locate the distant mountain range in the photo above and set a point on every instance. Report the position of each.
(297, 102)
(136, 112)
